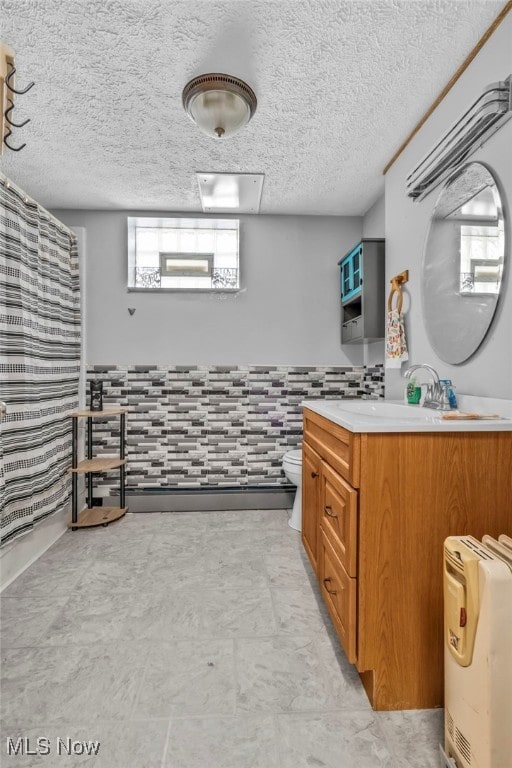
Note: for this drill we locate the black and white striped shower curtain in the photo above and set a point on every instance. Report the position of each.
(39, 360)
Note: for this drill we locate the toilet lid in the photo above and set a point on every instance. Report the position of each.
(293, 457)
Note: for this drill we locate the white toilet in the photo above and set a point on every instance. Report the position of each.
(292, 467)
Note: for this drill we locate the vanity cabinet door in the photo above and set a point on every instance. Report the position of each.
(311, 464)
(338, 517)
(339, 592)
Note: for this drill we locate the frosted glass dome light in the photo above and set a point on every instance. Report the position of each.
(219, 104)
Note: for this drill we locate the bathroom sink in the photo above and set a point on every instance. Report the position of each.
(395, 416)
(383, 409)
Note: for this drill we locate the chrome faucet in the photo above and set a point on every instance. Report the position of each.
(436, 395)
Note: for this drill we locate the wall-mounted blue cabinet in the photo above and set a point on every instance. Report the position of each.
(351, 273)
(362, 292)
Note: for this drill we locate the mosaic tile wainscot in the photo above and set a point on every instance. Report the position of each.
(220, 426)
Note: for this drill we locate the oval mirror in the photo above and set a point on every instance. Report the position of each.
(463, 263)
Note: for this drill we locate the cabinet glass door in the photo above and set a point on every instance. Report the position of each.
(352, 273)
(346, 278)
(356, 270)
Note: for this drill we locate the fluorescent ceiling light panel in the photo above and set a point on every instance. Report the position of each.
(230, 192)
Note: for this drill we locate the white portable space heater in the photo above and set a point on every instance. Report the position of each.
(478, 652)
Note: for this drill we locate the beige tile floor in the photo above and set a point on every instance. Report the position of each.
(189, 640)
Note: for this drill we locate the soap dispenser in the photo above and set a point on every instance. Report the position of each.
(412, 392)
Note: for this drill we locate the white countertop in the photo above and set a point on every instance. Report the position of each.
(395, 416)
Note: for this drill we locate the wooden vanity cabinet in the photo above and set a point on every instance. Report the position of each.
(383, 505)
(310, 503)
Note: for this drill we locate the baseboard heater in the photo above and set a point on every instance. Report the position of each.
(478, 652)
(209, 498)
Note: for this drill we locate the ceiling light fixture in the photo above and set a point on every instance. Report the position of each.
(230, 192)
(219, 104)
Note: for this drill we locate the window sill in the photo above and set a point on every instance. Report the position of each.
(183, 290)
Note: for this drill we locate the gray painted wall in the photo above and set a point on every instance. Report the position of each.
(374, 221)
(489, 371)
(287, 313)
(374, 225)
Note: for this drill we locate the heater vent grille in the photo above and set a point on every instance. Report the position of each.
(449, 724)
(456, 564)
(463, 746)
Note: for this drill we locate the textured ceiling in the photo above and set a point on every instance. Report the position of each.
(340, 83)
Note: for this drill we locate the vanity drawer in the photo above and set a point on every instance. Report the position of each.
(339, 592)
(338, 517)
(337, 446)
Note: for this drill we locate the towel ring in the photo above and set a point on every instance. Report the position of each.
(400, 299)
(396, 287)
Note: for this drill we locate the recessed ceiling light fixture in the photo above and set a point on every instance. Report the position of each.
(219, 104)
(230, 192)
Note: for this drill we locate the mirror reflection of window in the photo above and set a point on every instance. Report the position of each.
(480, 263)
(481, 244)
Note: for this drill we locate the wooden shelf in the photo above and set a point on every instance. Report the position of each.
(104, 414)
(98, 465)
(97, 516)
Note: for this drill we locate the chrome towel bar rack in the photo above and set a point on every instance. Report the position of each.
(483, 118)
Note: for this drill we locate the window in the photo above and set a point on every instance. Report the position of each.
(480, 262)
(183, 254)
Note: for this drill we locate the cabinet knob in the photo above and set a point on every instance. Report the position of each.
(330, 591)
(314, 474)
(328, 511)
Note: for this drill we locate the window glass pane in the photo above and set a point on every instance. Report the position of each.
(205, 241)
(169, 240)
(225, 260)
(147, 240)
(148, 259)
(227, 241)
(187, 241)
